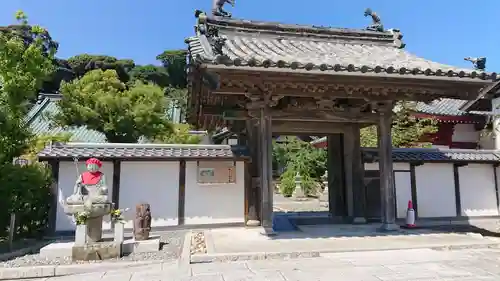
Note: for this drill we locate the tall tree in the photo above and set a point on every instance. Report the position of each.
(25, 61)
(81, 64)
(26, 54)
(175, 62)
(103, 103)
(150, 73)
(407, 131)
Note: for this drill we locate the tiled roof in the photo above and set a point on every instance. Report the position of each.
(490, 91)
(235, 42)
(38, 120)
(140, 151)
(435, 155)
(443, 107)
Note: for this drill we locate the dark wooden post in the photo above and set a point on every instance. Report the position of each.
(386, 170)
(336, 181)
(358, 183)
(252, 174)
(266, 170)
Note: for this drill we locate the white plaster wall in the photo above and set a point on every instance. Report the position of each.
(403, 192)
(435, 190)
(156, 183)
(214, 203)
(67, 178)
(477, 190)
(396, 166)
(465, 133)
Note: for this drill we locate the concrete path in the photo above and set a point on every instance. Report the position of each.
(410, 265)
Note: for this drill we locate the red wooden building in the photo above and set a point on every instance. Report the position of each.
(456, 128)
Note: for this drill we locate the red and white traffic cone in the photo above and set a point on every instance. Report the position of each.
(410, 216)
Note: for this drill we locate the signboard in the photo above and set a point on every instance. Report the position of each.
(216, 172)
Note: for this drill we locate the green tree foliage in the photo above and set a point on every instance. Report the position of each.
(39, 142)
(23, 67)
(81, 64)
(150, 73)
(300, 157)
(407, 131)
(103, 103)
(180, 134)
(26, 54)
(175, 62)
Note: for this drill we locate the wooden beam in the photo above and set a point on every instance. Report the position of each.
(300, 115)
(284, 74)
(308, 128)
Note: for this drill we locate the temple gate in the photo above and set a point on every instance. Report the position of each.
(259, 78)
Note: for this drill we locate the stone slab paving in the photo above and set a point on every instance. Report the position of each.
(287, 204)
(330, 239)
(409, 265)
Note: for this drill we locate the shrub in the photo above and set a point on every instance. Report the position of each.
(25, 190)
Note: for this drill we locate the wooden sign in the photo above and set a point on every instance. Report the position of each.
(216, 172)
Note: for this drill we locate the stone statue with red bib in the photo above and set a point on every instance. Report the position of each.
(90, 187)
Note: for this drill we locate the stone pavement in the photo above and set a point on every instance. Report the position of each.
(285, 204)
(336, 238)
(411, 265)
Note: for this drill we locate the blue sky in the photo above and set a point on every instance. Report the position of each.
(444, 31)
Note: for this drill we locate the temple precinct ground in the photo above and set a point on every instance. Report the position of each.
(315, 252)
(414, 265)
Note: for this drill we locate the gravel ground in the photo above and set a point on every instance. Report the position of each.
(172, 246)
(198, 244)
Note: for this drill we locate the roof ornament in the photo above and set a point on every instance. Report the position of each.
(376, 22)
(217, 6)
(479, 63)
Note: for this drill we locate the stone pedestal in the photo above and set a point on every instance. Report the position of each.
(150, 245)
(81, 235)
(96, 251)
(253, 223)
(94, 230)
(119, 232)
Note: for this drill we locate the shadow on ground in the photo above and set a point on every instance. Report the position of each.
(306, 225)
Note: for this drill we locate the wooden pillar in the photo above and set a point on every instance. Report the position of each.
(336, 181)
(181, 211)
(265, 164)
(252, 188)
(387, 191)
(116, 183)
(348, 171)
(358, 172)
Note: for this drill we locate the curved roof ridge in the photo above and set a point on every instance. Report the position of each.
(298, 29)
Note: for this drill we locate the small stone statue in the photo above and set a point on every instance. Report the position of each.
(90, 187)
(376, 22)
(142, 222)
(90, 197)
(479, 63)
(217, 6)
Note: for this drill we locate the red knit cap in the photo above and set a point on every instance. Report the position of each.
(94, 161)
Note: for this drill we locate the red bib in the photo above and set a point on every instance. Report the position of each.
(91, 177)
